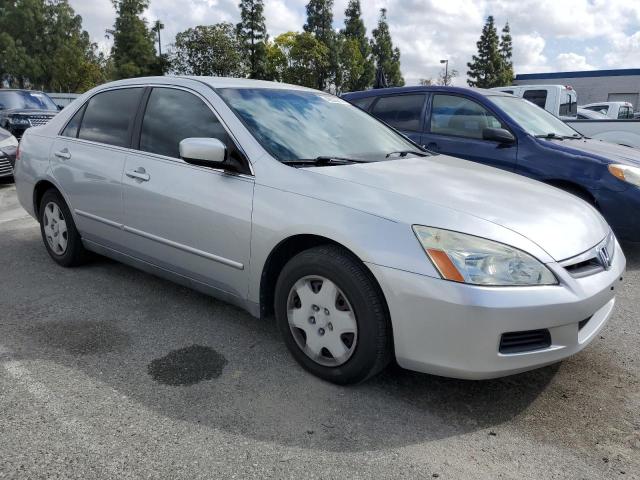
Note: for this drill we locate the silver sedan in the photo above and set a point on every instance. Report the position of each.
(289, 201)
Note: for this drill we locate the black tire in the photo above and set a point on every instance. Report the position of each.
(374, 346)
(74, 253)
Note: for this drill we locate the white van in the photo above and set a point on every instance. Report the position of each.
(561, 100)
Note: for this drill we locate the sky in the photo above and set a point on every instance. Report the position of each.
(547, 35)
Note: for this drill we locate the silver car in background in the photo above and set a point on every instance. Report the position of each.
(289, 201)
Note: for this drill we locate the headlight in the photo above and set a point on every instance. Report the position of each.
(626, 173)
(468, 259)
(9, 141)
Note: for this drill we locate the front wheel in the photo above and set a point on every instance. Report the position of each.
(332, 316)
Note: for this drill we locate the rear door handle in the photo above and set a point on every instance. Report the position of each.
(139, 174)
(63, 154)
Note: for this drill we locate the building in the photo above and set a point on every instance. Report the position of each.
(593, 86)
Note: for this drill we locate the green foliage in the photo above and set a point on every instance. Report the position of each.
(252, 33)
(386, 56)
(212, 50)
(492, 66)
(506, 54)
(297, 58)
(42, 45)
(133, 50)
(320, 24)
(355, 31)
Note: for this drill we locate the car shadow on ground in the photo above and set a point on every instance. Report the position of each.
(133, 331)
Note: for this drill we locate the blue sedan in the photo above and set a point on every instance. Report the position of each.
(506, 132)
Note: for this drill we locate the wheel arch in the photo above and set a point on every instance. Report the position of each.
(38, 191)
(573, 188)
(289, 248)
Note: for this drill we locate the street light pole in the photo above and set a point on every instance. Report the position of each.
(446, 71)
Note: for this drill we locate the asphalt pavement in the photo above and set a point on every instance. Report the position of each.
(109, 372)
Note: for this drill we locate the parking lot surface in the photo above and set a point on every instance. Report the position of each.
(108, 372)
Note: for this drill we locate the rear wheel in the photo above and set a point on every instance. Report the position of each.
(59, 233)
(331, 315)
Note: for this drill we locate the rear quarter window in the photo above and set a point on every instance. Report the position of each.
(363, 103)
(403, 112)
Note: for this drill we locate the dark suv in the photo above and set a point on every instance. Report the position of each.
(21, 109)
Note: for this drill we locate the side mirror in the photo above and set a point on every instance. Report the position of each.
(206, 152)
(499, 135)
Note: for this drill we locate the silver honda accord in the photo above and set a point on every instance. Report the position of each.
(289, 201)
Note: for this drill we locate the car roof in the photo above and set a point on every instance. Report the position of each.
(474, 92)
(214, 82)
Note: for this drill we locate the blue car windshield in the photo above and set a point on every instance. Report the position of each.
(27, 100)
(533, 119)
(300, 124)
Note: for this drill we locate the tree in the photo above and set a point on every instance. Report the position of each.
(208, 50)
(386, 56)
(297, 58)
(446, 77)
(426, 82)
(133, 52)
(485, 69)
(42, 45)
(252, 33)
(351, 65)
(355, 31)
(506, 53)
(320, 24)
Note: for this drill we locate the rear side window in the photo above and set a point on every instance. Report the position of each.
(539, 97)
(625, 112)
(568, 108)
(403, 112)
(363, 103)
(460, 117)
(71, 130)
(173, 115)
(109, 116)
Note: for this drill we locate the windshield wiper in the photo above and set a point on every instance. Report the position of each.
(404, 153)
(551, 135)
(324, 160)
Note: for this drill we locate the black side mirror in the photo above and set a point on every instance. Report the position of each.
(499, 135)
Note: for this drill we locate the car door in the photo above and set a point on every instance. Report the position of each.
(455, 127)
(87, 161)
(191, 220)
(403, 112)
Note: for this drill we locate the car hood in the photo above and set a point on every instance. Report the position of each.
(29, 111)
(610, 152)
(559, 223)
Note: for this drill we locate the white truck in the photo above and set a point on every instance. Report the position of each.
(561, 100)
(615, 110)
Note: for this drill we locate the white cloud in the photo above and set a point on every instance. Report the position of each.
(546, 34)
(567, 62)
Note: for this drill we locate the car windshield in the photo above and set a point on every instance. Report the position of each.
(297, 124)
(533, 119)
(25, 100)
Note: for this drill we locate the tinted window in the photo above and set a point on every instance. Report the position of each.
(173, 115)
(71, 130)
(363, 103)
(568, 107)
(538, 97)
(109, 116)
(403, 112)
(625, 112)
(459, 116)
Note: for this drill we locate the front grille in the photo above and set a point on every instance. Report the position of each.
(594, 260)
(526, 341)
(5, 167)
(37, 120)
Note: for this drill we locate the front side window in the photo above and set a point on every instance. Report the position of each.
(173, 115)
(109, 116)
(537, 97)
(403, 112)
(299, 124)
(460, 117)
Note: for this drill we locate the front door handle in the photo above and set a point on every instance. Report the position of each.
(63, 154)
(139, 174)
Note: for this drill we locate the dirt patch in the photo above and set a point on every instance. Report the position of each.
(187, 366)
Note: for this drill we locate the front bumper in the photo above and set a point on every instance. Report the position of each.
(454, 330)
(7, 161)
